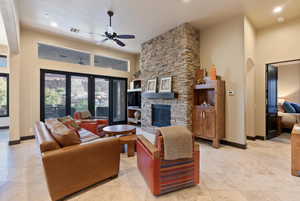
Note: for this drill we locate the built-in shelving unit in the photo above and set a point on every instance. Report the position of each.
(134, 110)
(209, 111)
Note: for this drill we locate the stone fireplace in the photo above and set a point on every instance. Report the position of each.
(174, 53)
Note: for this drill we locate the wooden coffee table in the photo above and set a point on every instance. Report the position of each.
(127, 136)
(119, 130)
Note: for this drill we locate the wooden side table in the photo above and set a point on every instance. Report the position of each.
(130, 140)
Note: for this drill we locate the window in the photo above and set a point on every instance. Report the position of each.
(79, 94)
(55, 95)
(64, 93)
(3, 61)
(106, 62)
(4, 95)
(64, 55)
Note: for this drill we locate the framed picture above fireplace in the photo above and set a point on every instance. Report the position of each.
(165, 84)
(151, 86)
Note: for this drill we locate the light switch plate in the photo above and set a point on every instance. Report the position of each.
(231, 92)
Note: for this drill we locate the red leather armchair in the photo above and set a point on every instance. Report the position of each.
(94, 125)
(165, 176)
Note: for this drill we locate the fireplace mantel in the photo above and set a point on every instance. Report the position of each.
(165, 95)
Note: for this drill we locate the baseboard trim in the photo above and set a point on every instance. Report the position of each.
(251, 138)
(30, 137)
(234, 144)
(225, 142)
(255, 138)
(260, 138)
(14, 142)
(23, 138)
(4, 127)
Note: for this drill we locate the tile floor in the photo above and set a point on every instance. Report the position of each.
(260, 173)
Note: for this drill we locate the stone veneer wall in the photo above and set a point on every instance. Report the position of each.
(176, 54)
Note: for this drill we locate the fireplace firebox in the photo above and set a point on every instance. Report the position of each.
(161, 115)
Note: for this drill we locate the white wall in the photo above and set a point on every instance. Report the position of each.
(274, 44)
(249, 41)
(223, 45)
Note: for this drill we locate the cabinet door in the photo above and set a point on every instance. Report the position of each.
(198, 122)
(210, 124)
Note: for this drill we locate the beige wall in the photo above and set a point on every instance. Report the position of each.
(29, 73)
(223, 45)
(289, 82)
(276, 43)
(249, 43)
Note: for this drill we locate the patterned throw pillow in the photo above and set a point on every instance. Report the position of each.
(288, 108)
(296, 107)
(85, 115)
(69, 122)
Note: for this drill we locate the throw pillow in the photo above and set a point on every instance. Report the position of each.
(85, 115)
(288, 108)
(296, 107)
(62, 134)
(69, 122)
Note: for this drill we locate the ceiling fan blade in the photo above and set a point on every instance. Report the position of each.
(102, 41)
(119, 42)
(126, 36)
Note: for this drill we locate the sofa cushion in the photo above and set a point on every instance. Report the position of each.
(288, 107)
(296, 107)
(86, 136)
(62, 134)
(69, 122)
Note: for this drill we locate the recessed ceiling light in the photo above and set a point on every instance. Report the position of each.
(53, 24)
(186, 1)
(277, 9)
(46, 15)
(280, 19)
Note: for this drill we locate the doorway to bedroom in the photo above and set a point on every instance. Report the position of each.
(282, 98)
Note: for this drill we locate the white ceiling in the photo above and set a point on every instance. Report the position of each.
(3, 39)
(145, 18)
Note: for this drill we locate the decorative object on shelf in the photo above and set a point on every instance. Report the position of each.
(165, 84)
(209, 111)
(200, 73)
(135, 84)
(151, 85)
(137, 115)
(213, 72)
(137, 74)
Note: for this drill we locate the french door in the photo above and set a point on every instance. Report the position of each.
(272, 127)
(64, 93)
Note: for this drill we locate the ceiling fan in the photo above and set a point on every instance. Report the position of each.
(109, 34)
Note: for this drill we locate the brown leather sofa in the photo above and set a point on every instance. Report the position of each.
(70, 169)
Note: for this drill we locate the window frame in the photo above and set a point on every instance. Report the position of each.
(5, 75)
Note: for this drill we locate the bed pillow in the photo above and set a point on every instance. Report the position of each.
(288, 108)
(296, 107)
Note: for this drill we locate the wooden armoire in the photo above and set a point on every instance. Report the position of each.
(209, 111)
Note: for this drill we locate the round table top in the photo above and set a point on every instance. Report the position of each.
(119, 128)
